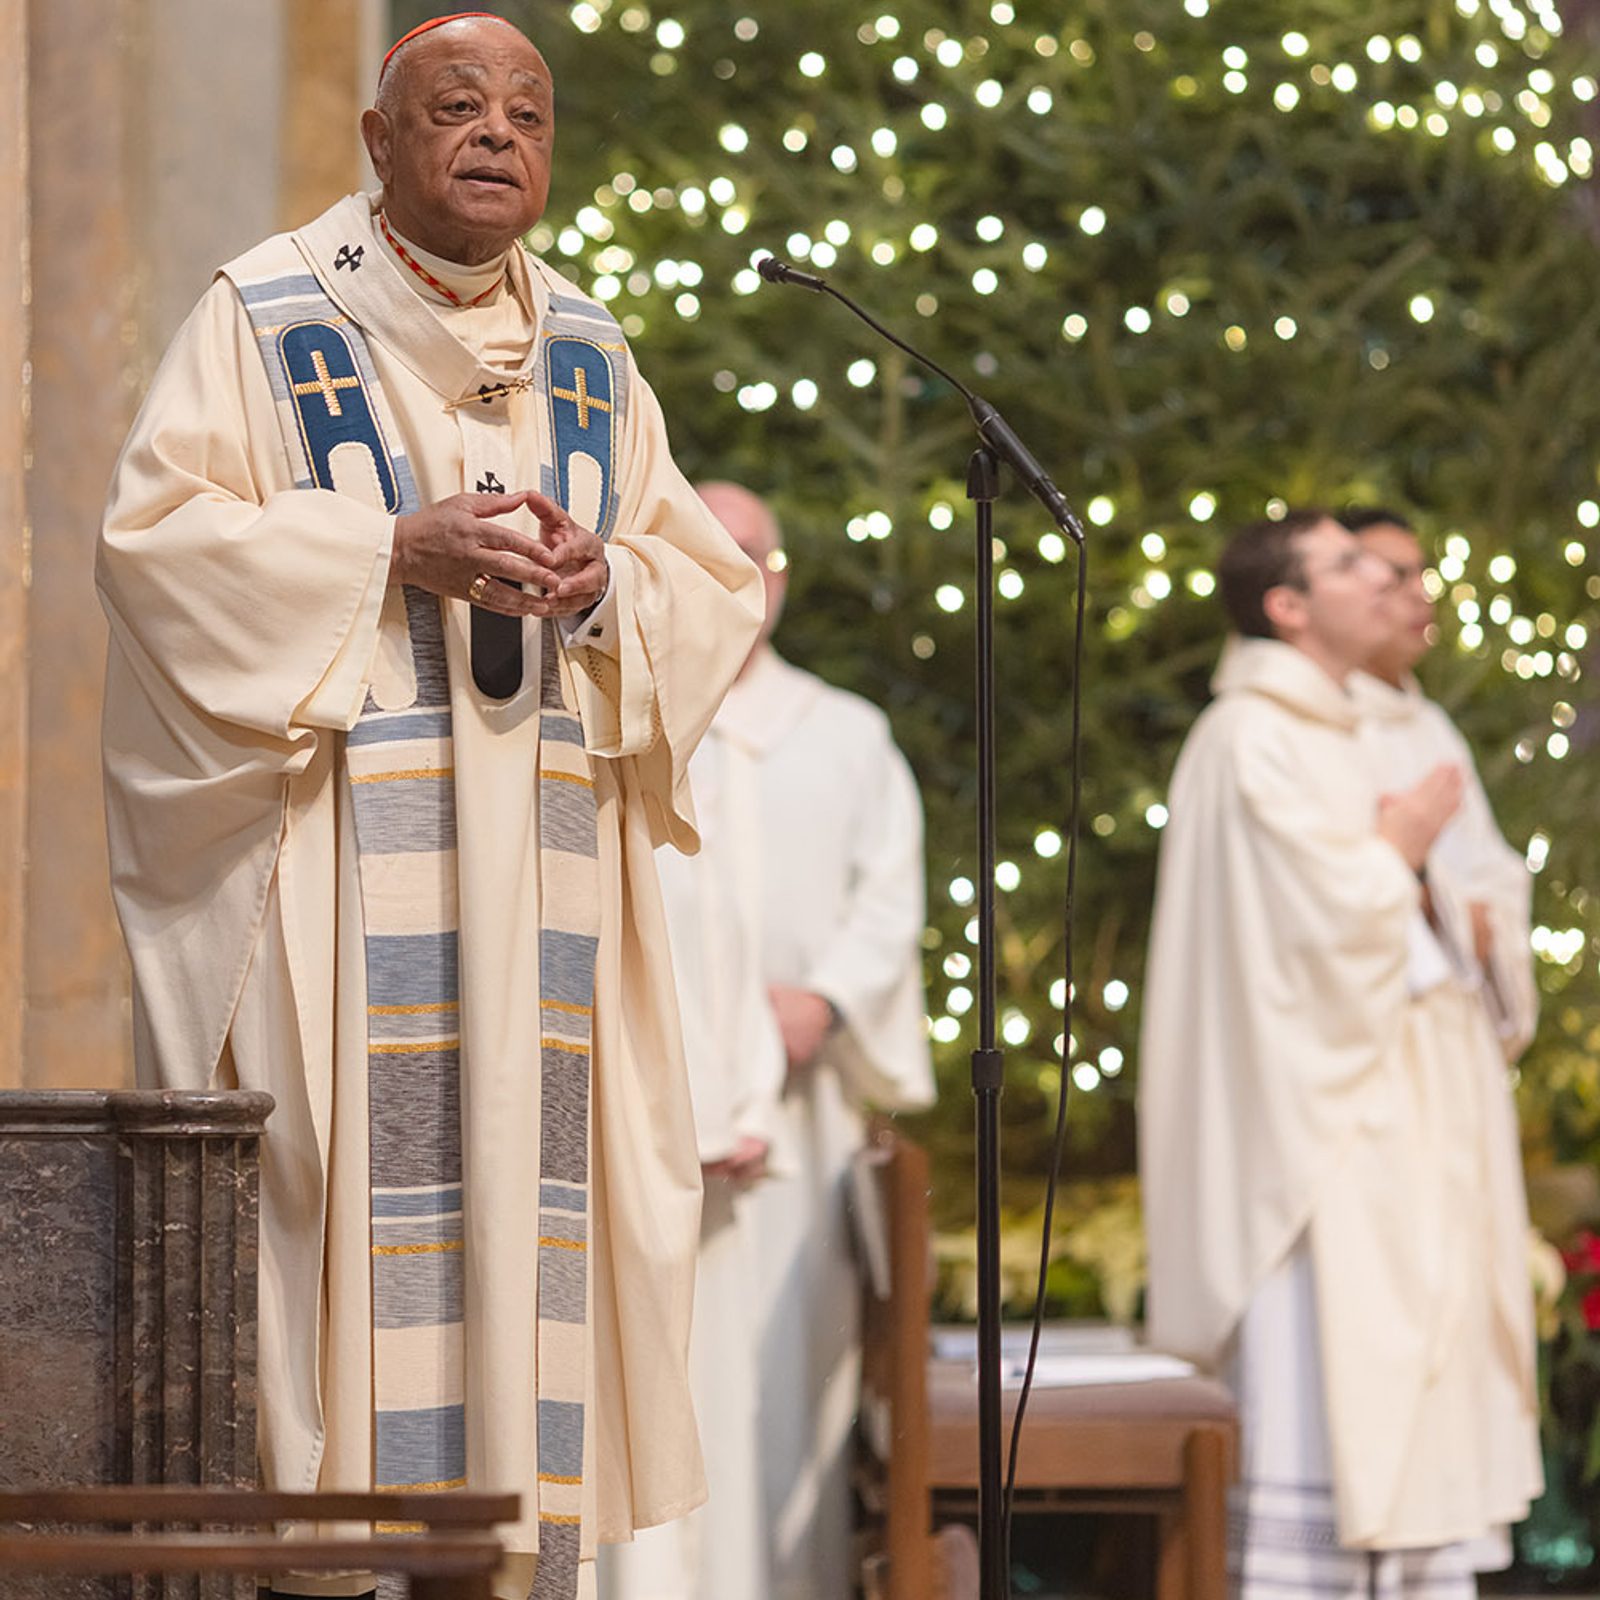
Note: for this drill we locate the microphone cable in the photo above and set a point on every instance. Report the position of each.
(1058, 1147)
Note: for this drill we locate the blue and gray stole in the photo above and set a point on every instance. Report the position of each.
(340, 435)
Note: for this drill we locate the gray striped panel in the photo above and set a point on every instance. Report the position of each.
(418, 1202)
(561, 1280)
(567, 818)
(438, 1228)
(564, 1225)
(421, 1446)
(564, 1116)
(413, 1025)
(412, 969)
(566, 966)
(559, 1197)
(415, 1119)
(555, 1577)
(423, 1291)
(389, 730)
(406, 816)
(560, 729)
(560, 1439)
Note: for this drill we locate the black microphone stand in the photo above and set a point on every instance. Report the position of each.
(1000, 444)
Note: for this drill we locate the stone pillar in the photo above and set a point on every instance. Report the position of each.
(83, 344)
(323, 97)
(13, 529)
(128, 1273)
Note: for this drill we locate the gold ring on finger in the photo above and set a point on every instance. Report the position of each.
(478, 588)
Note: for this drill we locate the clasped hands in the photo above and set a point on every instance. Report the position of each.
(444, 548)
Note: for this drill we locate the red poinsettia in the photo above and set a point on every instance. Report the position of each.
(1582, 1260)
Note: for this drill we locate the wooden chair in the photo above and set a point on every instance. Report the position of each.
(452, 1557)
(900, 1560)
(1166, 1449)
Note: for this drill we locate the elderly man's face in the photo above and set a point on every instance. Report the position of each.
(463, 140)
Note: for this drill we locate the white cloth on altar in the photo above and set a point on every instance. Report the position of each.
(248, 618)
(1291, 1084)
(831, 812)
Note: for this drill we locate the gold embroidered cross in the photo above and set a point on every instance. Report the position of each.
(580, 397)
(326, 384)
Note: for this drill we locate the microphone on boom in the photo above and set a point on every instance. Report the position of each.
(992, 428)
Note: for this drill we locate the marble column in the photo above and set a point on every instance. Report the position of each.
(128, 1273)
(323, 97)
(14, 532)
(81, 148)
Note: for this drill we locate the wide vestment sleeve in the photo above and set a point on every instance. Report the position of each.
(1276, 978)
(244, 614)
(688, 604)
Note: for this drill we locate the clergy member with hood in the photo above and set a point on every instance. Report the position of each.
(1297, 1152)
(415, 626)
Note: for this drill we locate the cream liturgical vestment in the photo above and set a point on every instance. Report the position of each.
(1328, 1169)
(818, 795)
(251, 623)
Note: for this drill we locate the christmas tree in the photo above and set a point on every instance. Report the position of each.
(1211, 258)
